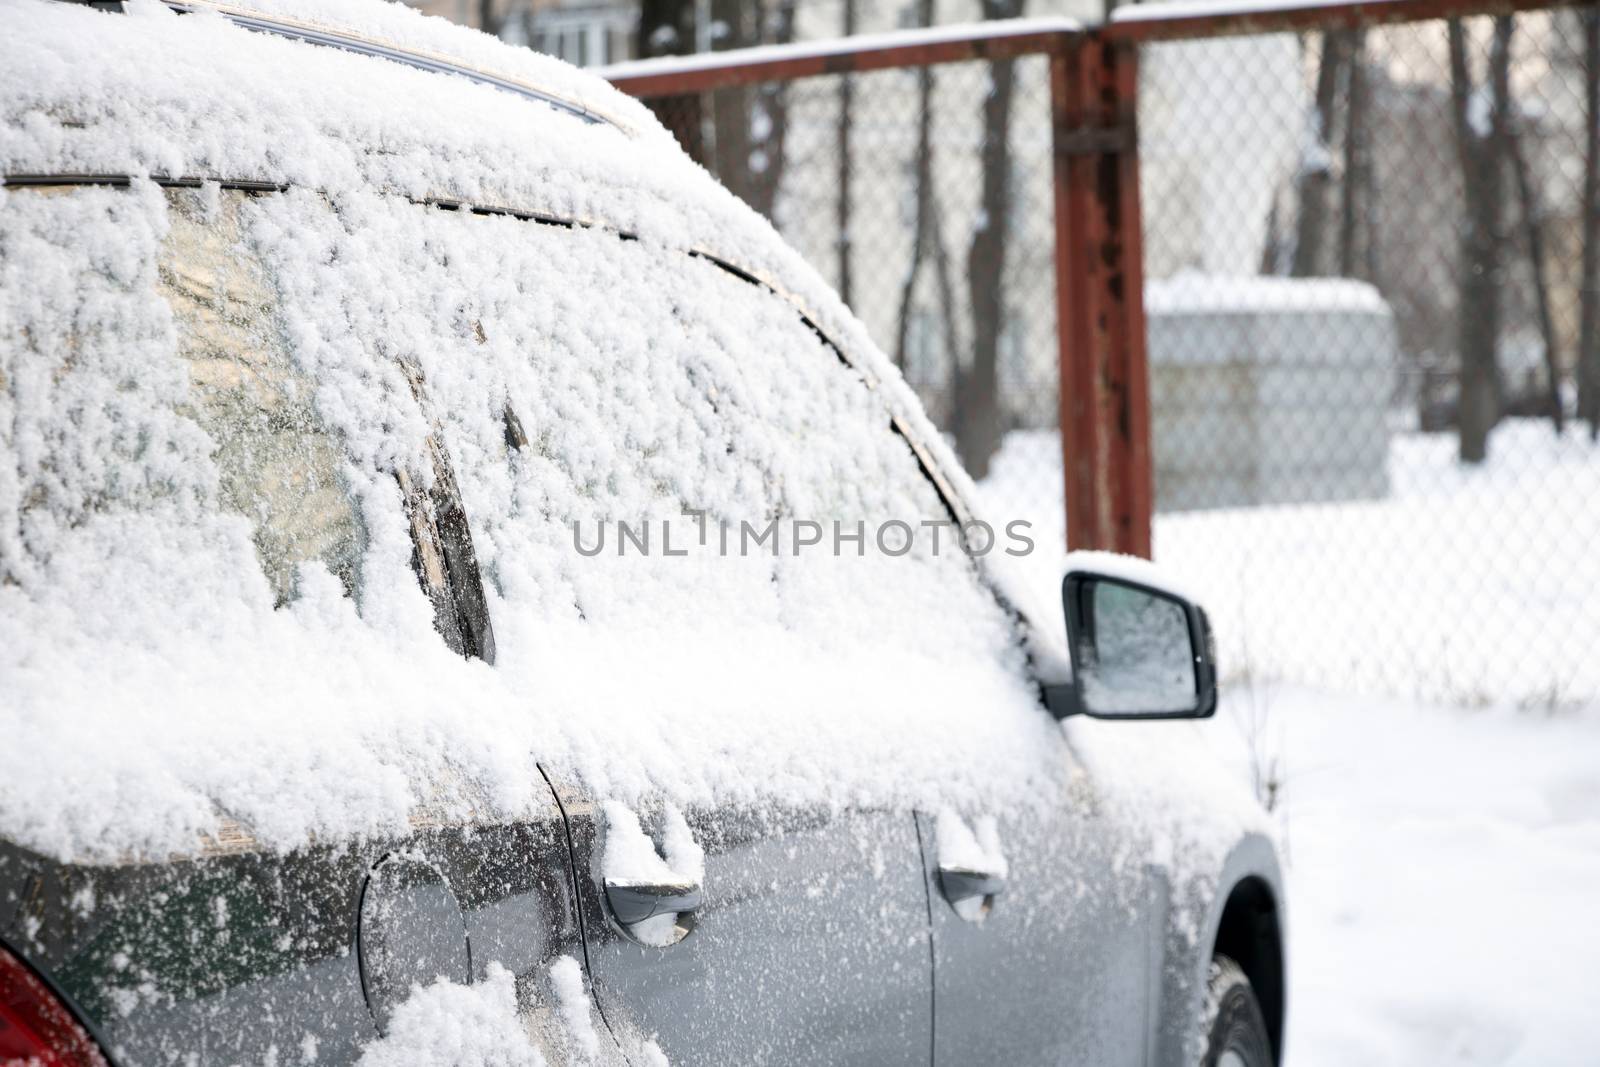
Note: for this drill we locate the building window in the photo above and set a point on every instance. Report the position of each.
(584, 37)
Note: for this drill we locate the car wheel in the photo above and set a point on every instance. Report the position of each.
(1235, 1030)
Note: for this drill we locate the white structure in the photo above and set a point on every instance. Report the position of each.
(1269, 390)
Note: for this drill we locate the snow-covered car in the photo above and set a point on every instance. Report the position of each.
(469, 593)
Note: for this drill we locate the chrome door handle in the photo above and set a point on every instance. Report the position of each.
(634, 902)
(964, 883)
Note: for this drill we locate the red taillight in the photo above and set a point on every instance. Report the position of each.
(36, 1028)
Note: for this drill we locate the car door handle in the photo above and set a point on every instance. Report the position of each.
(964, 883)
(634, 902)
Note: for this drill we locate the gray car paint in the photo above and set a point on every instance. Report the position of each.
(1187, 943)
(226, 956)
(811, 944)
(1056, 972)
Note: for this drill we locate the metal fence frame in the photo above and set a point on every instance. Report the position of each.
(1099, 283)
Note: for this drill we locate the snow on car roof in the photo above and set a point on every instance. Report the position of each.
(335, 36)
(226, 103)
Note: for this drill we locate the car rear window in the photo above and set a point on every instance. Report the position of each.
(104, 420)
(276, 462)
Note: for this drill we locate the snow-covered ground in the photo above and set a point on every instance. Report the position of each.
(1443, 866)
(1442, 849)
(1464, 586)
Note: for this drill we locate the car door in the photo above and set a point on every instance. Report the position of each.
(730, 915)
(789, 926)
(695, 520)
(1050, 965)
(808, 942)
(1041, 927)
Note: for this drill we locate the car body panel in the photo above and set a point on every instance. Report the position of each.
(811, 942)
(1189, 916)
(230, 954)
(1056, 970)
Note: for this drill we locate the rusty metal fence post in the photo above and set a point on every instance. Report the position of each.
(1105, 391)
(1104, 405)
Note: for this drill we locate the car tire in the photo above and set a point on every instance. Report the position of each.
(1235, 1030)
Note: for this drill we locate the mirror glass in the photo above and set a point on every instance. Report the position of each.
(1135, 654)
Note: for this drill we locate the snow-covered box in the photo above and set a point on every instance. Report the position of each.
(1268, 390)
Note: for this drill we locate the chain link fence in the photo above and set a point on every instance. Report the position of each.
(1372, 360)
(880, 180)
(1365, 252)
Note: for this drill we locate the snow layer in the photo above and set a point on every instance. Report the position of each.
(161, 683)
(959, 31)
(163, 678)
(1441, 873)
(1196, 293)
(971, 848)
(1464, 586)
(403, 27)
(631, 857)
(463, 1026)
(574, 1009)
(1129, 568)
(1147, 10)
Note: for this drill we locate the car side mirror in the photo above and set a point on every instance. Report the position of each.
(1138, 652)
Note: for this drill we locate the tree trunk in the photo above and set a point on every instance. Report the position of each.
(730, 108)
(1270, 245)
(1533, 233)
(1357, 160)
(842, 151)
(1481, 143)
(769, 145)
(666, 28)
(1316, 170)
(922, 182)
(1588, 362)
(978, 420)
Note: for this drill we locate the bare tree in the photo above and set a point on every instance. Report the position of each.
(1316, 168)
(1481, 123)
(488, 21)
(1356, 189)
(666, 28)
(1533, 235)
(927, 235)
(845, 202)
(734, 24)
(1588, 362)
(978, 421)
(922, 193)
(769, 116)
(1271, 241)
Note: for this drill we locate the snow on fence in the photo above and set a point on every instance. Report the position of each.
(1403, 488)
